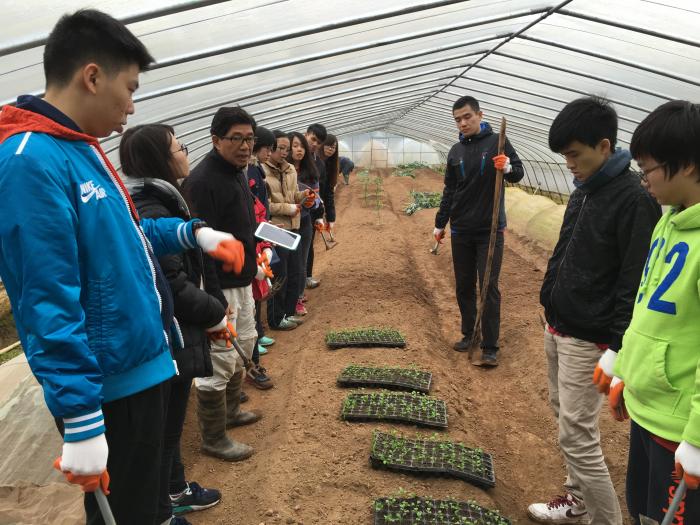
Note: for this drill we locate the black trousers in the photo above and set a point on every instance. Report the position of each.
(306, 230)
(135, 438)
(310, 258)
(260, 329)
(285, 300)
(172, 471)
(469, 259)
(650, 484)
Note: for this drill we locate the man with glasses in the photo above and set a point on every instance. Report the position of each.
(588, 294)
(220, 195)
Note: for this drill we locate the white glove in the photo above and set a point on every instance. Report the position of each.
(507, 168)
(605, 371)
(331, 226)
(268, 253)
(439, 234)
(85, 458)
(689, 458)
(219, 326)
(260, 276)
(293, 209)
(209, 238)
(320, 222)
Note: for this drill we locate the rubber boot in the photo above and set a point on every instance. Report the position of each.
(235, 417)
(211, 411)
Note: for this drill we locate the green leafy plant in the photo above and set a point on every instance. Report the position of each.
(423, 511)
(413, 407)
(432, 455)
(422, 200)
(365, 337)
(409, 169)
(410, 378)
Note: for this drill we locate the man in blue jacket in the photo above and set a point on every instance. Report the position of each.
(92, 307)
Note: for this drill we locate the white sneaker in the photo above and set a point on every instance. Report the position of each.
(562, 509)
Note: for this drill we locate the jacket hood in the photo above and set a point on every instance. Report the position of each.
(161, 190)
(485, 131)
(15, 120)
(618, 162)
(688, 219)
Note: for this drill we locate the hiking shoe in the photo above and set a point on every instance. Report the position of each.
(312, 283)
(192, 499)
(463, 345)
(285, 324)
(258, 377)
(300, 309)
(262, 350)
(488, 359)
(562, 509)
(296, 319)
(266, 341)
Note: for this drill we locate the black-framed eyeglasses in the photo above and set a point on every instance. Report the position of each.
(183, 148)
(237, 140)
(644, 175)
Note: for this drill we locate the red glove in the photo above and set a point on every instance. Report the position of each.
(222, 246)
(224, 335)
(309, 200)
(439, 234)
(688, 464)
(604, 371)
(87, 483)
(502, 162)
(616, 399)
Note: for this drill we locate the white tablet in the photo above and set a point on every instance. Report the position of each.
(278, 236)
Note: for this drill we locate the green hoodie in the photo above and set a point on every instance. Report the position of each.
(660, 356)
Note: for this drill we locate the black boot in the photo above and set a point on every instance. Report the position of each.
(211, 412)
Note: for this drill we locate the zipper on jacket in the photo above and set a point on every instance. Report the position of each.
(566, 250)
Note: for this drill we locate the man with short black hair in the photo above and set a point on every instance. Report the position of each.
(467, 203)
(221, 196)
(93, 309)
(588, 293)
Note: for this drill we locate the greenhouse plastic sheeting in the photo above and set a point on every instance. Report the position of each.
(389, 66)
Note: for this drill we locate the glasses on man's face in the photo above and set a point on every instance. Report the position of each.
(644, 174)
(237, 140)
(282, 149)
(183, 148)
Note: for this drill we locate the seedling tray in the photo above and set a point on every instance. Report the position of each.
(398, 378)
(366, 337)
(424, 511)
(405, 407)
(430, 456)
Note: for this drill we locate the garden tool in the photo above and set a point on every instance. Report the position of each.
(434, 249)
(229, 335)
(273, 286)
(672, 509)
(329, 244)
(106, 511)
(498, 186)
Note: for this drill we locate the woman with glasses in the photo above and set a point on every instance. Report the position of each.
(285, 209)
(155, 162)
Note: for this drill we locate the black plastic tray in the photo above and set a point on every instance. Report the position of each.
(414, 407)
(398, 378)
(350, 338)
(404, 511)
(430, 456)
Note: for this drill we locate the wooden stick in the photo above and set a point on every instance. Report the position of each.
(9, 348)
(498, 187)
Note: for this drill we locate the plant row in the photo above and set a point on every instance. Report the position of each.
(413, 407)
(426, 511)
(365, 337)
(390, 377)
(422, 200)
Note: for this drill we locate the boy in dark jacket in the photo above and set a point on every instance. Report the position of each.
(588, 293)
(467, 203)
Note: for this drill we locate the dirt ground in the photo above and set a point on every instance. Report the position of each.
(312, 468)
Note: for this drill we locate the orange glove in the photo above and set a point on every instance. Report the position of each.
(688, 464)
(320, 225)
(222, 246)
(309, 200)
(87, 483)
(224, 335)
(502, 162)
(603, 373)
(265, 265)
(616, 399)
